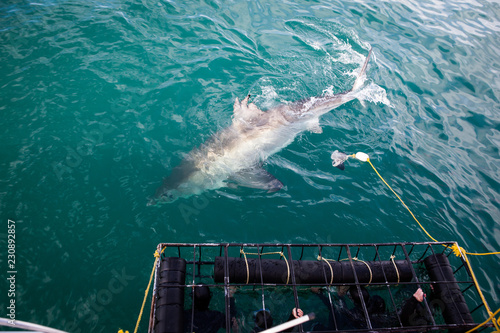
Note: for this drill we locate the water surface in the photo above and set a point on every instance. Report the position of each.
(101, 99)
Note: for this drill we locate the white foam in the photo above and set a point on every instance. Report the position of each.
(328, 91)
(177, 118)
(315, 45)
(269, 93)
(374, 94)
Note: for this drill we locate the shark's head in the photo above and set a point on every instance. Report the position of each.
(183, 182)
(170, 191)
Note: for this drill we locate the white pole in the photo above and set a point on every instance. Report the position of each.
(28, 326)
(290, 323)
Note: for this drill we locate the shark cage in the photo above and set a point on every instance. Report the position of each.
(349, 287)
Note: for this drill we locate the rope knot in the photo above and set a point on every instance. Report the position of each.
(456, 250)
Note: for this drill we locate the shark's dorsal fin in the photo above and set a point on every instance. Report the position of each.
(244, 111)
(256, 177)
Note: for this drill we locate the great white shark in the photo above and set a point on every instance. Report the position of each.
(235, 155)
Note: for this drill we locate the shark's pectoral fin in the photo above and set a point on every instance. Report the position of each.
(257, 178)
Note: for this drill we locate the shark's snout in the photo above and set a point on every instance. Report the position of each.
(165, 197)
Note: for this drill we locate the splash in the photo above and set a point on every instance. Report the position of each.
(374, 94)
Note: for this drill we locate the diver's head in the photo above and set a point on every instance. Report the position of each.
(376, 305)
(202, 296)
(356, 297)
(263, 318)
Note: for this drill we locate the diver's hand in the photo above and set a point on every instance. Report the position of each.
(297, 313)
(419, 295)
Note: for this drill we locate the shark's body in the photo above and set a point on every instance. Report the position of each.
(235, 155)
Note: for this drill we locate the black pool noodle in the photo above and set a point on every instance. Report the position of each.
(311, 271)
(452, 302)
(169, 315)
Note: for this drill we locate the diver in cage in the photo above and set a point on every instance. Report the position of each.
(263, 319)
(200, 318)
(340, 317)
(413, 313)
(375, 307)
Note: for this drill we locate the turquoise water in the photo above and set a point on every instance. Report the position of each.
(101, 99)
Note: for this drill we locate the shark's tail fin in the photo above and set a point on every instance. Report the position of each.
(360, 79)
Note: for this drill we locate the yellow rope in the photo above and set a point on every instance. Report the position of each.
(495, 322)
(369, 268)
(455, 247)
(397, 196)
(355, 259)
(246, 262)
(157, 256)
(395, 267)
(331, 269)
(287, 267)
(485, 322)
(262, 254)
(457, 250)
(482, 254)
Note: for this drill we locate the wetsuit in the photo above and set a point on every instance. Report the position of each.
(207, 321)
